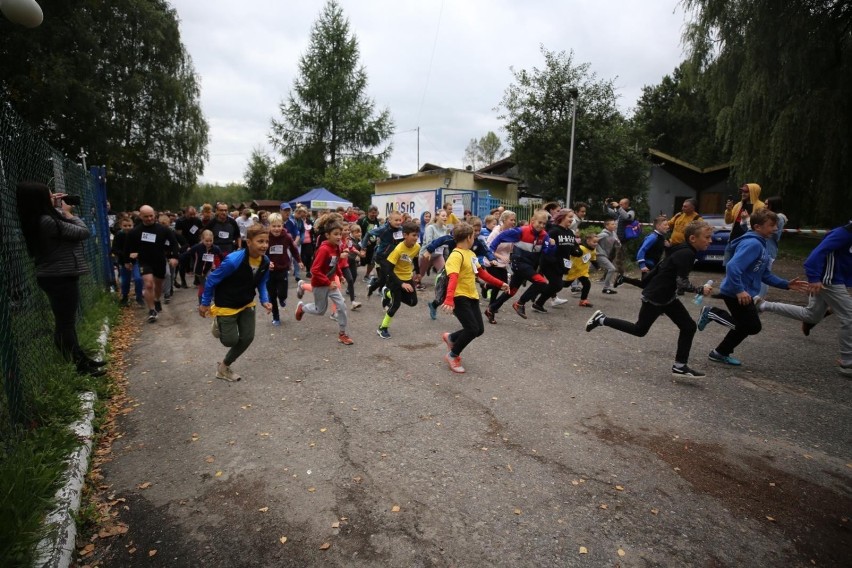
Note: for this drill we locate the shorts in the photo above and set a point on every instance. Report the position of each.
(157, 271)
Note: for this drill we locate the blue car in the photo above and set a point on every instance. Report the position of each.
(715, 253)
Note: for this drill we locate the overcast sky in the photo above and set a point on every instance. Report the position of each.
(442, 65)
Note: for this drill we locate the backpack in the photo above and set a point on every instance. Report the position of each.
(632, 231)
(441, 283)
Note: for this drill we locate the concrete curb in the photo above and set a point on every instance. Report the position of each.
(56, 549)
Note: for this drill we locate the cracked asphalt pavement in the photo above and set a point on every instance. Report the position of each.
(557, 448)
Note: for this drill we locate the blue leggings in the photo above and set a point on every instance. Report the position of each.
(125, 276)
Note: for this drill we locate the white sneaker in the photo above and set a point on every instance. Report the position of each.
(557, 301)
(356, 305)
(333, 316)
(300, 293)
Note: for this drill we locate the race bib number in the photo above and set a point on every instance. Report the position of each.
(276, 249)
(149, 237)
(332, 262)
(474, 262)
(207, 257)
(224, 235)
(397, 235)
(193, 230)
(587, 257)
(566, 262)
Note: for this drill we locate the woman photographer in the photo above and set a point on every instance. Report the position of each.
(55, 242)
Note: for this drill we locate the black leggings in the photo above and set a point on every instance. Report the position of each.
(649, 313)
(521, 271)
(554, 274)
(349, 274)
(400, 296)
(63, 292)
(499, 272)
(276, 286)
(469, 316)
(745, 319)
(585, 283)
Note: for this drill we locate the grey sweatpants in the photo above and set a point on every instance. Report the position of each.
(322, 295)
(605, 263)
(835, 297)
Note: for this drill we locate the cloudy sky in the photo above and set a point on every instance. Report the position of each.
(442, 65)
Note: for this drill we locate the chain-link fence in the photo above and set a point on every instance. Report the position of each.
(26, 321)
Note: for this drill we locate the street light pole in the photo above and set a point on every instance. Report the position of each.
(574, 94)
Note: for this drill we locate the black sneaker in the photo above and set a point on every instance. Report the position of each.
(152, 316)
(595, 321)
(383, 333)
(619, 280)
(685, 372)
(609, 291)
(158, 306)
(538, 308)
(490, 316)
(520, 309)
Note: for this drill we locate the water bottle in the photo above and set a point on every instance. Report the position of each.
(699, 297)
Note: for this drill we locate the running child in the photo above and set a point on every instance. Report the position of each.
(499, 269)
(229, 296)
(400, 288)
(126, 274)
(281, 248)
(748, 267)
(203, 257)
(608, 245)
(354, 253)
(555, 265)
(462, 296)
(580, 265)
(384, 238)
(659, 297)
(651, 251)
(325, 279)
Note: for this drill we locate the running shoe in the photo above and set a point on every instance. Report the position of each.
(595, 321)
(619, 280)
(344, 339)
(520, 309)
(609, 291)
(300, 292)
(446, 337)
(300, 311)
(454, 363)
(366, 279)
(158, 306)
(845, 368)
(538, 308)
(703, 318)
(225, 373)
(333, 315)
(383, 333)
(585, 304)
(807, 327)
(576, 291)
(355, 305)
(152, 316)
(717, 357)
(214, 329)
(420, 287)
(489, 315)
(276, 323)
(557, 301)
(685, 371)
(433, 311)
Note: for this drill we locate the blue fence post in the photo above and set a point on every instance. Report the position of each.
(98, 174)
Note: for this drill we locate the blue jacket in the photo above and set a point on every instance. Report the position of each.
(238, 280)
(748, 267)
(651, 250)
(831, 261)
(479, 248)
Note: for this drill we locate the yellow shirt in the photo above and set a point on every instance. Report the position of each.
(465, 264)
(580, 264)
(216, 311)
(678, 226)
(402, 258)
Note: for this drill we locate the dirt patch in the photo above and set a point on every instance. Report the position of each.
(815, 518)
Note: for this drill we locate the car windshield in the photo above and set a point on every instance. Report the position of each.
(717, 222)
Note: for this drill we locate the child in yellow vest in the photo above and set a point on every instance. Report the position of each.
(580, 268)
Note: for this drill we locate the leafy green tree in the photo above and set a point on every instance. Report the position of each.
(113, 78)
(353, 178)
(484, 151)
(674, 117)
(778, 77)
(537, 109)
(211, 193)
(297, 173)
(328, 111)
(258, 174)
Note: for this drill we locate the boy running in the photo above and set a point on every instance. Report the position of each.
(659, 297)
(400, 288)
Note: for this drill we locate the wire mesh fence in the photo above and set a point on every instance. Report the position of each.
(27, 351)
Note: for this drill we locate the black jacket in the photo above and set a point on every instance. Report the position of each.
(663, 282)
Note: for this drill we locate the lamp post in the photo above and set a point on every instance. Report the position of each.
(574, 94)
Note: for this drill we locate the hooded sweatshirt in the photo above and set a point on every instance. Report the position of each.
(748, 267)
(754, 204)
(831, 261)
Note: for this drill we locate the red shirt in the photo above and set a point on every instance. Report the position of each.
(326, 265)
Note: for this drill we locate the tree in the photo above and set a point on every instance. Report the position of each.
(537, 109)
(353, 178)
(327, 111)
(115, 79)
(258, 174)
(211, 193)
(779, 81)
(674, 117)
(486, 150)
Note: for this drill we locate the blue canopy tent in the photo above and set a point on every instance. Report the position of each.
(320, 198)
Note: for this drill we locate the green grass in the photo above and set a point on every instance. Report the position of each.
(797, 247)
(32, 458)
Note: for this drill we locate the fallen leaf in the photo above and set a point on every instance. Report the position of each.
(493, 398)
(145, 485)
(209, 459)
(517, 511)
(395, 509)
(621, 552)
(583, 550)
(218, 474)
(325, 546)
(575, 482)
(263, 509)
(604, 506)
(131, 550)
(283, 540)
(484, 449)
(311, 489)
(152, 552)
(323, 429)
(509, 467)
(771, 484)
(87, 550)
(619, 488)
(770, 519)
(357, 479)
(654, 511)
(335, 525)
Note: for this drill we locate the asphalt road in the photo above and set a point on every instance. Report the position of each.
(557, 448)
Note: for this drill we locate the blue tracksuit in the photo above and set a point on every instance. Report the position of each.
(748, 267)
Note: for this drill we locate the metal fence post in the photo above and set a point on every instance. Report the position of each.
(98, 174)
